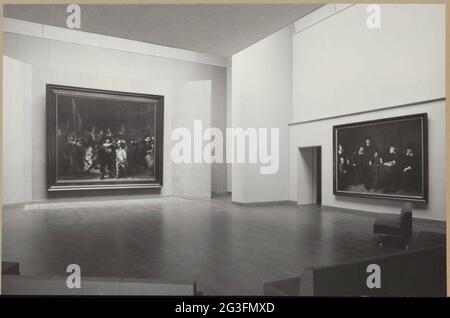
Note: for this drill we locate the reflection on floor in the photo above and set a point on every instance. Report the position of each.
(226, 248)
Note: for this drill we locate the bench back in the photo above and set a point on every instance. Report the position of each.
(420, 272)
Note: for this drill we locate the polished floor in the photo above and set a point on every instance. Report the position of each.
(228, 249)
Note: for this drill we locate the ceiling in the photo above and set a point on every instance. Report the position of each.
(215, 29)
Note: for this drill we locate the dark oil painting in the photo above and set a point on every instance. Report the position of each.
(103, 139)
(385, 158)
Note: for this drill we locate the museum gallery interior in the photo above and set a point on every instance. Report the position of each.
(112, 114)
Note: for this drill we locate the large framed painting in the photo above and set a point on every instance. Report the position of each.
(385, 158)
(99, 139)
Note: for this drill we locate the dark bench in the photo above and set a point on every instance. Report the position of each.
(416, 272)
(395, 225)
(56, 285)
(15, 284)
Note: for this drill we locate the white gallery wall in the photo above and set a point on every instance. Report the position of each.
(229, 125)
(261, 89)
(194, 101)
(91, 66)
(17, 145)
(344, 72)
(340, 66)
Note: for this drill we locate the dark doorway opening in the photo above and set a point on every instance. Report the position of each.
(309, 176)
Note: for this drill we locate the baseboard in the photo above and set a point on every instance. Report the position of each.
(265, 203)
(218, 195)
(102, 198)
(15, 204)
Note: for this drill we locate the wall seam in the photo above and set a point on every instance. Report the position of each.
(427, 101)
(326, 18)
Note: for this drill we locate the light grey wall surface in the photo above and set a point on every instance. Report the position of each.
(229, 125)
(219, 179)
(73, 64)
(342, 68)
(18, 143)
(194, 101)
(262, 98)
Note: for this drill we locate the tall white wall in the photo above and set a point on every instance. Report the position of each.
(344, 72)
(75, 64)
(229, 125)
(194, 100)
(262, 98)
(340, 66)
(16, 145)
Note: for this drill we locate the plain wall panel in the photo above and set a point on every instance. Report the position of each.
(17, 154)
(262, 98)
(340, 66)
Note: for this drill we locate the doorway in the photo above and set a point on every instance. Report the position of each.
(309, 175)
